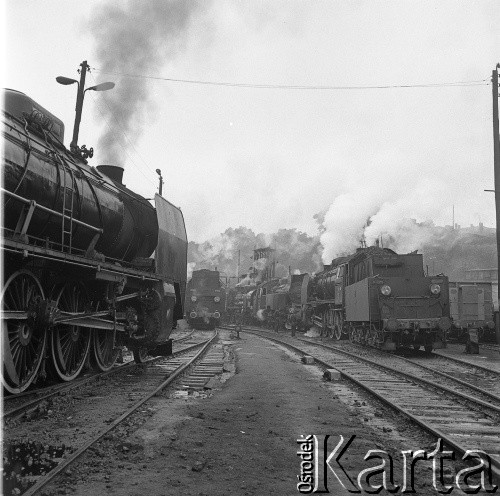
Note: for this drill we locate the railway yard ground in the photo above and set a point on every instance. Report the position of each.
(231, 427)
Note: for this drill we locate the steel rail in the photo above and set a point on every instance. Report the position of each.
(61, 466)
(426, 425)
(454, 359)
(408, 375)
(456, 379)
(431, 370)
(52, 391)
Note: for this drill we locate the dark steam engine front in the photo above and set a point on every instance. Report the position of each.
(79, 276)
(205, 299)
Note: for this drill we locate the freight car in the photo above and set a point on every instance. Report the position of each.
(376, 297)
(88, 265)
(205, 300)
(472, 306)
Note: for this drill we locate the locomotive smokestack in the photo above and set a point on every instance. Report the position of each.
(114, 172)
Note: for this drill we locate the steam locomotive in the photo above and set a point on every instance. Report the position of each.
(205, 302)
(374, 296)
(88, 265)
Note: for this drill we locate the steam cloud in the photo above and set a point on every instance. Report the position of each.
(391, 214)
(137, 37)
(294, 249)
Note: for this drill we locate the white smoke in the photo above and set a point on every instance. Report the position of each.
(246, 281)
(260, 264)
(190, 268)
(396, 215)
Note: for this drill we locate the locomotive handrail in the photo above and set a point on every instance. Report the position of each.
(50, 211)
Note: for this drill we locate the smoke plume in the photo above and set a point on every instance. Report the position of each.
(395, 215)
(137, 38)
(232, 253)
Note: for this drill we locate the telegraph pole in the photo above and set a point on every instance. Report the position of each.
(496, 162)
(238, 269)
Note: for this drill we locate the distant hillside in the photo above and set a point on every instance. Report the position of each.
(445, 250)
(459, 250)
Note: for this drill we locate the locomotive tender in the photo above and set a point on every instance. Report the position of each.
(88, 265)
(205, 302)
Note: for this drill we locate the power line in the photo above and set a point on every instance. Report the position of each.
(480, 82)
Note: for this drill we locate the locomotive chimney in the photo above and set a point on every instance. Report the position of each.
(114, 172)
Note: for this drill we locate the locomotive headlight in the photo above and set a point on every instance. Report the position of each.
(385, 290)
(217, 299)
(193, 298)
(435, 289)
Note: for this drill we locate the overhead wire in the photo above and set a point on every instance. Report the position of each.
(479, 82)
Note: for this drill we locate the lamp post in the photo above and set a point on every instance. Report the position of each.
(79, 98)
(158, 171)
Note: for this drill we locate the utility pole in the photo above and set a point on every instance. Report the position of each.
(79, 105)
(496, 162)
(238, 269)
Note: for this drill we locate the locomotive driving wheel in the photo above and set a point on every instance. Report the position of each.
(330, 322)
(23, 341)
(337, 326)
(104, 353)
(140, 354)
(70, 344)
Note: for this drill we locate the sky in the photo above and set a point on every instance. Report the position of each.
(273, 157)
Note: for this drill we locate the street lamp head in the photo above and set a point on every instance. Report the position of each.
(102, 87)
(158, 171)
(65, 80)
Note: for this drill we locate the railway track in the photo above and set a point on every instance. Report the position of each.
(16, 405)
(128, 393)
(484, 381)
(462, 420)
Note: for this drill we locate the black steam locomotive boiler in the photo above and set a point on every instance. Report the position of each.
(88, 265)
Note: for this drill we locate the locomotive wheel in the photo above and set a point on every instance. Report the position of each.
(104, 353)
(140, 354)
(323, 327)
(330, 319)
(337, 327)
(23, 343)
(70, 344)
